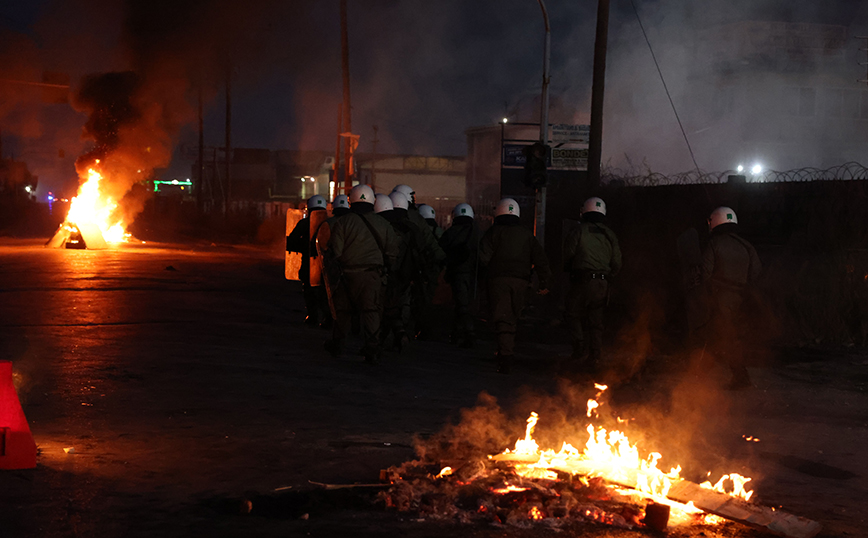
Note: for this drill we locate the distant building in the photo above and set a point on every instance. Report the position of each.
(438, 181)
(271, 181)
(16, 180)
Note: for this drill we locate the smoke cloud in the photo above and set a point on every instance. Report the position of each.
(423, 72)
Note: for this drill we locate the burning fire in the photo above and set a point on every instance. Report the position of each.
(608, 481)
(93, 206)
(610, 455)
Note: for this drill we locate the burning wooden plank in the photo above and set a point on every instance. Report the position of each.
(685, 491)
(754, 515)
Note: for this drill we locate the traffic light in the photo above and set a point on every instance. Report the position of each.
(536, 158)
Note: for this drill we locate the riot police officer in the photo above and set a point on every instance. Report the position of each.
(592, 257)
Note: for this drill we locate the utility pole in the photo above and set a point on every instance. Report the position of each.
(595, 144)
(228, 191)
(200, 168)
(348, 128)
(337, 166)
(374, 160)
(540, 205)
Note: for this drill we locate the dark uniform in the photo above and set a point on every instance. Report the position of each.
(461, 243)
(315, 300)
(510, 253)
(729, 266)
(362, 254)
(425, 286)
(435, 229)
(408, 267)
(591, 257)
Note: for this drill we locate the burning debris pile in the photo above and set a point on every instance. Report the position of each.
(607, 482)
(478, 492)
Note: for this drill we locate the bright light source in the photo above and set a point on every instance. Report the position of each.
(174, 182)
(505, 120)
(302, 180)
(756, 169)
(740, 169)
(28, 188)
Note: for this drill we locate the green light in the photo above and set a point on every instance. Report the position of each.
(174, 182)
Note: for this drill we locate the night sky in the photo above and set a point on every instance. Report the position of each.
(421, 71)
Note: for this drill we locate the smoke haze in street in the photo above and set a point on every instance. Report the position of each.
(422, 72)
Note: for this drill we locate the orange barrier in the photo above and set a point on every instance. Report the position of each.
(17, 448)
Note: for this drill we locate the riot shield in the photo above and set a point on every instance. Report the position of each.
(316, 219)
(293, 259)
(329, 272)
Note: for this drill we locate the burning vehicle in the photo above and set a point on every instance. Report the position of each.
(131, 136)
(92, 221)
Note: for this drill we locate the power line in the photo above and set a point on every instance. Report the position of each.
(659, 72)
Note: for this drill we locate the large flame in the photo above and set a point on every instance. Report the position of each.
(94, 206)
(611, 456)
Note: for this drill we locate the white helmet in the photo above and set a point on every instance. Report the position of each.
(341, 200)
(594, 204)
(316, 202)
(721, 215)
(399, 200)
(427, 211)
(406, 190)
(362, 193)
(462, 210)
(507, 206)
(382, 203)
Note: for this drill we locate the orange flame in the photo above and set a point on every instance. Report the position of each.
(93, 206)
(610, 455)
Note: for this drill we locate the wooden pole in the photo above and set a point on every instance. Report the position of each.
(598, 87)
(336, 177)
(374, 160)
(200, 162)
(348, 127)
(228, 193)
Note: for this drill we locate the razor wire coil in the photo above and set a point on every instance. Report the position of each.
(850, 171)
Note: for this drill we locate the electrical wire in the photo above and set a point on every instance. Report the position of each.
(665, 87)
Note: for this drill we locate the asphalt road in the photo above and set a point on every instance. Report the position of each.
(184, 381)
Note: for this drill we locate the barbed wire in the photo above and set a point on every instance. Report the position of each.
(850, 171)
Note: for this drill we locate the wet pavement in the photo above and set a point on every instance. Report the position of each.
(183, 380)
